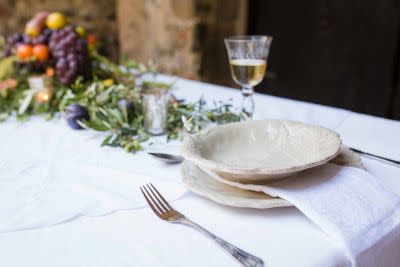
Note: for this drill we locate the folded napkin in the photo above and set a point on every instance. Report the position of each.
(41, 193)
(350, 205)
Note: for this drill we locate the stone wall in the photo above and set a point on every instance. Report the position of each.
(160, 30)
(184, 37)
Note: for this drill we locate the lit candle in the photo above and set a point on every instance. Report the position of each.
(43, 96)
(43, 88)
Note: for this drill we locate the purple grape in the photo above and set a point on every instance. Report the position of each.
(27, 39)
(70, 28)
(60, 53)
(72, 57)
(73, 65)
(62, 64)
(52, 44)
(14, 39)
(55, 38)
(41, 39)
(47, 32)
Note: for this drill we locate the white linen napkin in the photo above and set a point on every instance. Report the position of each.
(353, 207)
(42, 193)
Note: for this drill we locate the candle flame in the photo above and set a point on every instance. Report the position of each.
(50, 72)
(42, 97)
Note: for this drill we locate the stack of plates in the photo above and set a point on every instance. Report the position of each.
(228, 163)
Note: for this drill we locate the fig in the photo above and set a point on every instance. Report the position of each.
(74, 113)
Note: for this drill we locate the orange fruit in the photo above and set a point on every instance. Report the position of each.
(91, 39)
(24, 51)
(41, 52)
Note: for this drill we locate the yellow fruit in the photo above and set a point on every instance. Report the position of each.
(81, 31)
(32, 30)
(56, 21)
(107, 82)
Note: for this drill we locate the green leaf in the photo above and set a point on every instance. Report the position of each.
(106, 140)
(116, 114)
(95, 126)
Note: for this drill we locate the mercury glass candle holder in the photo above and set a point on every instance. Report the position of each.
(43, 88)
(155, 110)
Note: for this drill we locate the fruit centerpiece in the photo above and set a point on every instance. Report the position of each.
(49, 42)
(54, 68)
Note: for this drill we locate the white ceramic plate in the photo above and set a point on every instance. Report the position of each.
(202, 184)
(199, 182)
(253, 151)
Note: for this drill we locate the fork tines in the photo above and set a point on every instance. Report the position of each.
(155, 200)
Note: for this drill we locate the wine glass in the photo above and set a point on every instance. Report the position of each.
(248, 62)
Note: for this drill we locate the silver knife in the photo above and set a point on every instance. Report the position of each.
(376, 157)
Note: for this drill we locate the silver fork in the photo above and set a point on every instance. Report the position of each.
(165, 212)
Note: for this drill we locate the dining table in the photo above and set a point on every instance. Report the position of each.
(134, 236)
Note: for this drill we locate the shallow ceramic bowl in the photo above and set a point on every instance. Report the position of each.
(261, 150)
(346, 157)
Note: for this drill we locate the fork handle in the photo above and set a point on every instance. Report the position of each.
(246, 259)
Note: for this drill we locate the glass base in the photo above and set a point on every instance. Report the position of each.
(247, 101)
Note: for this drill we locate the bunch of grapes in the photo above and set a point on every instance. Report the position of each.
(70, 53)
(12, 41)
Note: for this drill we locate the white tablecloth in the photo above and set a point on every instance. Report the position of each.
(281, 236)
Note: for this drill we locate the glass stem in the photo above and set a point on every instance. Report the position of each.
(247, 101)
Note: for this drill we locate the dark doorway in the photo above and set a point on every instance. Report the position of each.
(337, 53)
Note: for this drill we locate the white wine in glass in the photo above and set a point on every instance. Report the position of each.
(248, 61)
(248, 72)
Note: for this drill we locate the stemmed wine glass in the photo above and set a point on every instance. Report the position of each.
(248, 61)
